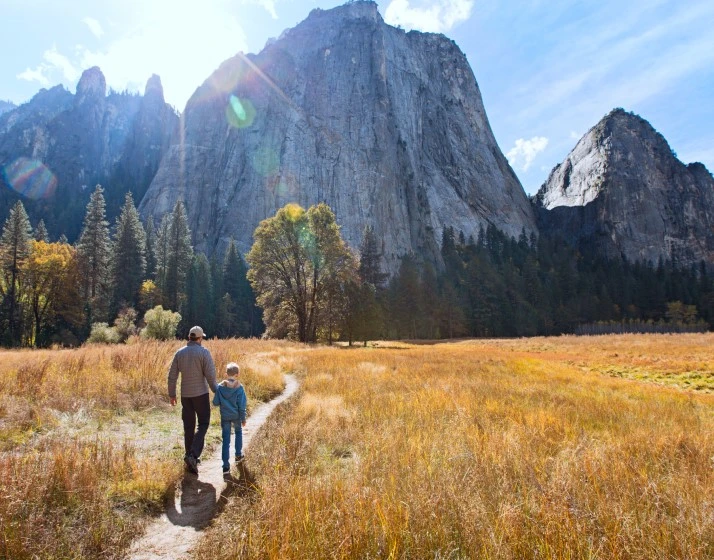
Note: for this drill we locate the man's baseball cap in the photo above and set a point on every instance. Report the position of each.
(196, 332)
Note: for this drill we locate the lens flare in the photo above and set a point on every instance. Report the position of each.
(284, 188)
(30, 178)
(240, 112)
(266, 162)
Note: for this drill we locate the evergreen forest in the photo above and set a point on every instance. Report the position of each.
(116, 277)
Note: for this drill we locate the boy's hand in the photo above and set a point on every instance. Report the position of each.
(173, 401)
(243, 424)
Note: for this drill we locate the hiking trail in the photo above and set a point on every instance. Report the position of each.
(200, 498)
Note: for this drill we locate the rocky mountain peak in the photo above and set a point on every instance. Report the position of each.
(360, 9)
(623, 191)
(386, 127)
(91, 86)
(154, 89)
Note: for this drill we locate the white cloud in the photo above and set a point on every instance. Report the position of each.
(94, 26)
(524, 152)
(269, 6)
(53, 63)
(177, 39)
(61, 63)
(36, 75)
(437, 16)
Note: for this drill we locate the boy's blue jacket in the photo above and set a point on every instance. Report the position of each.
(232, 400)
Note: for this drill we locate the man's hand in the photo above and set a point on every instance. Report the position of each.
(243, 424)
(173, 401)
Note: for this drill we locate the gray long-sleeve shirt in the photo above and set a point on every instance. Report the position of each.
(197, 369)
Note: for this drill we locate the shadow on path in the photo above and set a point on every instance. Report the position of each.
(242, 486)
(195, 501)
(195, 505)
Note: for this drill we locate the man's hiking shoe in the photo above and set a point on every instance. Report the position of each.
(226, 469)
(191, 463)
(239, 458)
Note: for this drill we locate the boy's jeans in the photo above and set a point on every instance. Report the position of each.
(226, 433)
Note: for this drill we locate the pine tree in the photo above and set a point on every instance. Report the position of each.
(14, 251)
(161, 253)
(369, 259)
(94, 253)
(199, 295)
(150, 248)
(180, 255)
(41, 232)
(128, 256)
(235, 283)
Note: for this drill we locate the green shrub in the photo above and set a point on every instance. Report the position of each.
(161, 323)
(103, 333)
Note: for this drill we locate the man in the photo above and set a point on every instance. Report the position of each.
(198, 374)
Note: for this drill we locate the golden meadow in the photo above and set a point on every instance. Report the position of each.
(590, 447)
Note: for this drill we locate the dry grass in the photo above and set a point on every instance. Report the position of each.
(485, 449)
(85, 436)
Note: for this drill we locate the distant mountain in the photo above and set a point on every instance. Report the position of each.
(6, 106)
(623, 192)
(58, 146)
(387, 127)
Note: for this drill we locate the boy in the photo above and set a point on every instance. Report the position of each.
(230, 396)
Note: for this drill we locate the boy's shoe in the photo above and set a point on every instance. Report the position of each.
(191, 463)
(239, 458)
(226, 469)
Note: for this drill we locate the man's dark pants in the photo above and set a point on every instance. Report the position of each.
(192, 408)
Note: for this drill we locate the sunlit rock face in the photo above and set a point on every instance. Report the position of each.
(387, 127)
(622, 192)
(58, 146)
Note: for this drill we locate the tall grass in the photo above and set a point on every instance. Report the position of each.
(87, 495)
(498, 449)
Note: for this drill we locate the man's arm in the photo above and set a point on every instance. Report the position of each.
(209, 371)
(172, 378)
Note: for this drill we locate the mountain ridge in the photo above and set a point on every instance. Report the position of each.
(622, 192)
(387, 127)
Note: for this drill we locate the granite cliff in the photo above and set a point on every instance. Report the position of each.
(386, 127)
(623, 193)
(58, 146)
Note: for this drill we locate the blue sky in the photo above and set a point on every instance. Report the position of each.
(548, 69)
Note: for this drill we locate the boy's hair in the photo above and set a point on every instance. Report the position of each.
(232, 369)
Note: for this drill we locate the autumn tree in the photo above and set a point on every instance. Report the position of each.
(297, 264)
(51, 289)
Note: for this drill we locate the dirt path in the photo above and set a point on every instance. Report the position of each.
(200, 498)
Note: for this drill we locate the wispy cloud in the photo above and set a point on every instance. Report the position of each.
(53, 63)
(524, 152)
(437, 16)
(94, 26)
(269, 6)
(616, 66)
(36, 75)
